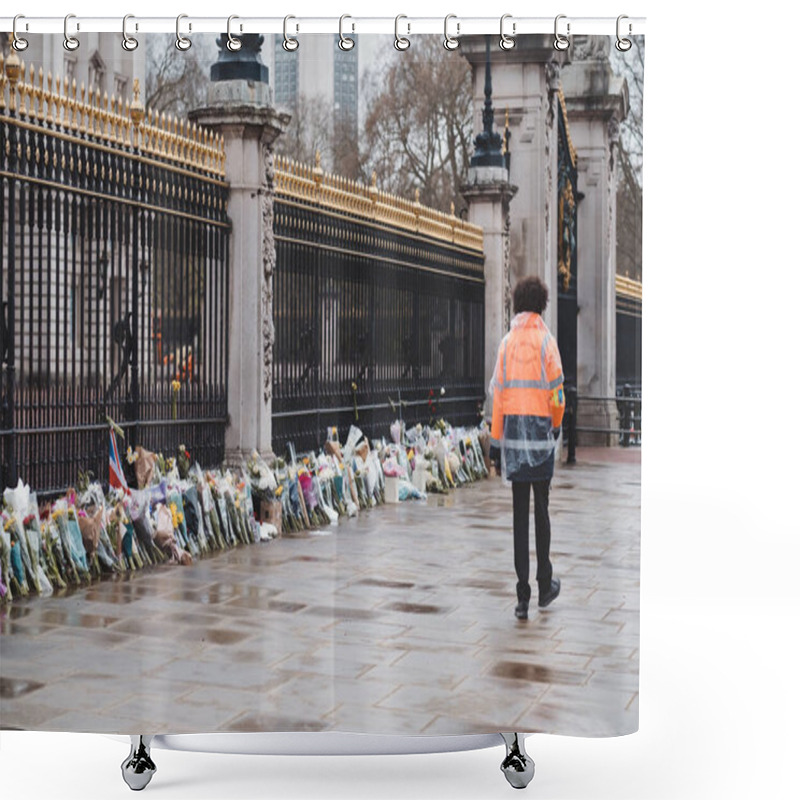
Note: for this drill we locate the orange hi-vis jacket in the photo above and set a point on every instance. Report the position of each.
(528, 396)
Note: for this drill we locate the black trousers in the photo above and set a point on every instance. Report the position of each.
(521, 493)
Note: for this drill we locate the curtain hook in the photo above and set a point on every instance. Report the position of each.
(401, 42)
(623, 45)
(345, 42)
(17, 42)
(451, 42)
(233, 44)
(561, 42)
(182, 42)
(128, 42)
(507, 42)
(71, 43)
(290, 43)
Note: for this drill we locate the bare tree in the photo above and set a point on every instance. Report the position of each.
(176, 81)
(309, 132)
(630, 65)
(418, 128)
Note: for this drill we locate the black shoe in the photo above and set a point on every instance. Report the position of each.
(521, 611)
(548, 597)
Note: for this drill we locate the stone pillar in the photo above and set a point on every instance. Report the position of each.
(524, 82)
(240, 109)
(489, 194)
(597, 100)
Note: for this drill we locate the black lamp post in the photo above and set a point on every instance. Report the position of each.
(242, 64)
(488, 143)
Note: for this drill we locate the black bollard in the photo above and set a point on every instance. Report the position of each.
(572, 422)
(627, 416)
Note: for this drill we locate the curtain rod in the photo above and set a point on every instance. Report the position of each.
(406, 25)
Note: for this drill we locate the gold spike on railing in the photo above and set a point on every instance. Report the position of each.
(40, 96)
(312, 184)
(82, 109)
(23, 92)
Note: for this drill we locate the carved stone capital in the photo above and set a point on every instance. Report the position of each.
(591, 48)
(553, 76)
(267, 192)
(613, 130)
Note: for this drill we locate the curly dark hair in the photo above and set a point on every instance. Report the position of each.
(530, 294)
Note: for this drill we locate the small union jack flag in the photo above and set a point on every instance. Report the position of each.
(116, 477)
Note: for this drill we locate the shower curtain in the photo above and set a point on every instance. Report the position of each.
(253, 301)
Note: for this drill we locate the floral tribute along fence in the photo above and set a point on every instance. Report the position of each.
(378, 309)
(113, 279)
(180, 512)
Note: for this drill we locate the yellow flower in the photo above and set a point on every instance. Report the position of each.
(176, 385)
(8, 524)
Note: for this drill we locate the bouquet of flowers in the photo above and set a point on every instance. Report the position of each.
(165, 536)
(175, 505)
(15, 581)
(194, 518)
(138, 509)
(53, 552)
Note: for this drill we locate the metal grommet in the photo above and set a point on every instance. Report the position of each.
(290, 43)
(71, 44)
(561, 42)
(345, 42)
(623, 45)
(128, 42)
(507, 42)
(401, 42)
(181, 41)
(17, 42)
(233, 44)
(451, 42)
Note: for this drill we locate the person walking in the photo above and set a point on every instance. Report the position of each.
(527, 409)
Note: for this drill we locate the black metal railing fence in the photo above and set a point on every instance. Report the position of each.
(372, 323)
(113, 282)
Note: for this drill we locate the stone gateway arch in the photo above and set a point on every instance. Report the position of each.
(550, 208)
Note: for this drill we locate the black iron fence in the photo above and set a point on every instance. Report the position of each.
(378, 310)
(628, 400)
(114, 282)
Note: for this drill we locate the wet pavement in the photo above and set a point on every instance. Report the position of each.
(410, 606)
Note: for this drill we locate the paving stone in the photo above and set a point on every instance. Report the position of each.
(409, 605)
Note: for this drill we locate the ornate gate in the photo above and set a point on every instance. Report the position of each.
(567, 248)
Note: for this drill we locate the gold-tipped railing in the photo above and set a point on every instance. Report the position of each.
(313, 185)
(627, 287)
(69, 110)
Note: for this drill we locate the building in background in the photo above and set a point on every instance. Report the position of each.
(327, 77)
(99, 63)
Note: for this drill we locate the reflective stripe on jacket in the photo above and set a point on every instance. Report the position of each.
(528, 395)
